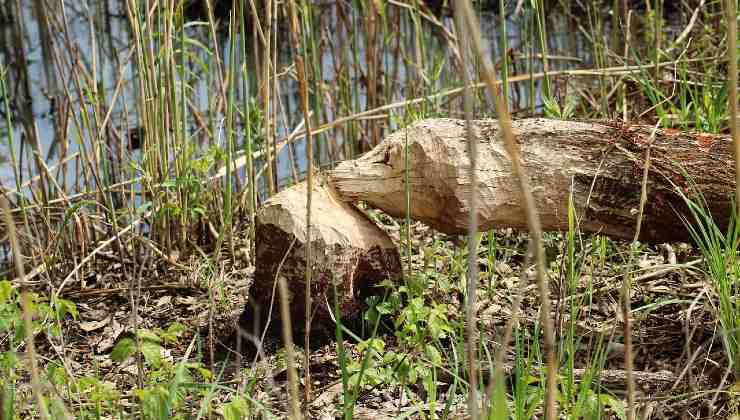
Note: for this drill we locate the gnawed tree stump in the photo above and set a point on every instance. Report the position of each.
(348, 250)
(600, 164)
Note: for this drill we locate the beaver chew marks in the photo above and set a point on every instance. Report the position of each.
(349, 251)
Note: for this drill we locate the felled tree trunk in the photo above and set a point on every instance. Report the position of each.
(599, 165)
(349, 252)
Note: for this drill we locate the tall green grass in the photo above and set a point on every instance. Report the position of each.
(719, 247)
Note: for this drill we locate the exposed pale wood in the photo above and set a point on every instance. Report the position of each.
(348, 250)
(601, 164)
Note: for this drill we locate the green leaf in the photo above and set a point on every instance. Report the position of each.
(203, 372)
(20, 331)
(412, 375)
(435, 357)
(616, 405)
(429, 383)
(143, 208)
(10, 317)
(552, 108)
(404, 369)
(148, 335)
(74, 208)
(56, 374)
(6, 291)
(53, 330)
(64, 307)
(236, 409)
(174, 331)
(56, 408)
(152, 352)
(384, 308)
(123, 350)
(374, 343)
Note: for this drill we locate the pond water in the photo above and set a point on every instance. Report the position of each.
(100, 39)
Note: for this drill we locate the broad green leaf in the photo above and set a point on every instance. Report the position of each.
(152, 352)
(174, 331)
(148, 335)
(123, 349)
(6, 291)
(236, 409)
(64, 307)
(435, 358)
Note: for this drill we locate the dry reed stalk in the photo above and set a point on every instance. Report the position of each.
(533, 221)
(627, 39)
(610, 71)
(431, 19)
(98, 249)
(679, 41)
(732, 88)
(135, 283)
(419, 58)
(68, 199)
(500, 363)
(83, 160)
(396, 57)
(628, 353)
(273, 86)
(211, 317)
(658, 28)
(540, 9)
(291, 151)
(31, 352)
(217, 55)
(302, 89)
(266, 93)
(625, 292)
(41, 11)
(472, 275)
(371, 60)
(27, 118)
(295, 412)
(25, 303)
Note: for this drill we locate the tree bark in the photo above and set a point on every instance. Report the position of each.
(350, 254)
(597, 165)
